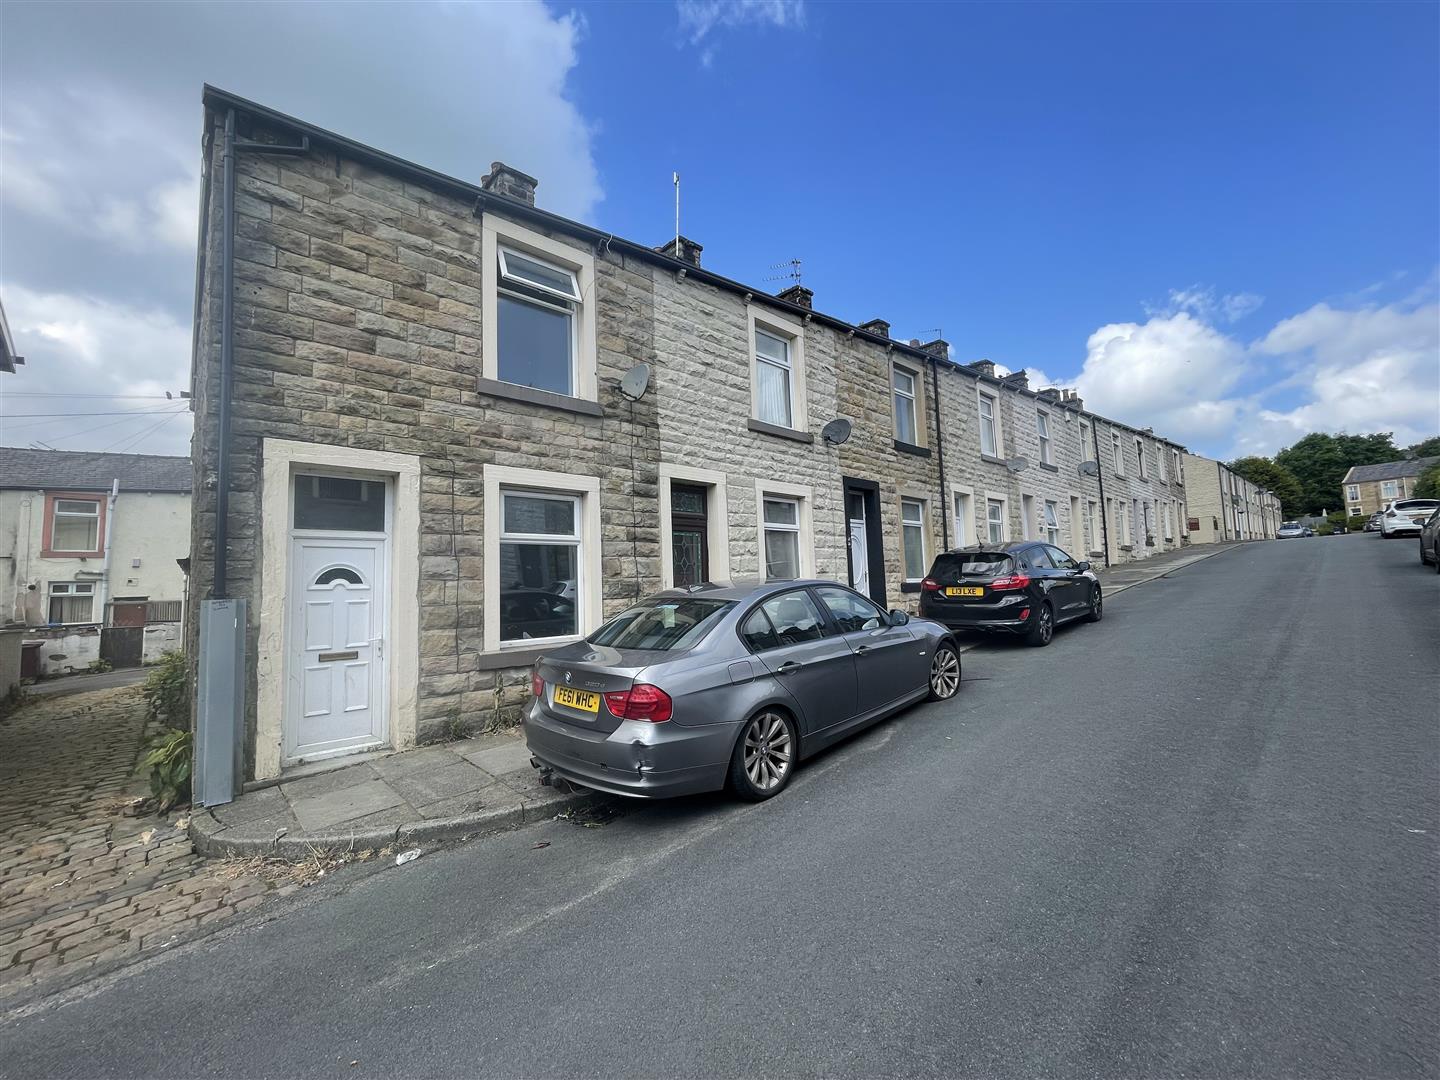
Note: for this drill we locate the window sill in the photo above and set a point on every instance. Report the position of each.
(992, 459)
(779, 432)
(1049, 468)
(1126, 547)
(514, 658)
(531, 396)
(912, 448)
(46, 553)
(909, 586)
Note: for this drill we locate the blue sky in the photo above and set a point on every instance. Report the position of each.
(1219, 219)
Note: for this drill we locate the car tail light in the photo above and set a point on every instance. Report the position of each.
(641, 702)
(929, 584)
(1011, 583)
(537, 684)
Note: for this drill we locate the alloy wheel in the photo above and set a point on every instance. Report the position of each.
(944, 673)
(1047, 624)
(769, 751)
(1097, 606)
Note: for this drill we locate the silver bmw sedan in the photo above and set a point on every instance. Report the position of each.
(698, 689)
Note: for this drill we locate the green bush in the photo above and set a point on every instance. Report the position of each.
(167, 691)
(1325, 528)
(1356, 522)
(169, 765)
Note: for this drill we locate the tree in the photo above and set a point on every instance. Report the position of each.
(1428, 486)
(1429, 448)
(1320, 461)
(1265, 473)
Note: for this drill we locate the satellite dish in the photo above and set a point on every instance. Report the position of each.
(1089, 468)
(836, 431)
(1017, 464)
(635, 382)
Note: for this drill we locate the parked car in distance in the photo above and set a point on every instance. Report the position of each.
(1430, 541)
(1373, 525)
(698, 689)
(1027, 588)
(1291, 530)
(1404, 517)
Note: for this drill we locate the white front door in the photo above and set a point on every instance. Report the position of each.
(859, 557)
(335, 640)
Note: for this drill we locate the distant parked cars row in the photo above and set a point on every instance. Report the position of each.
(731, 686)
(1293, 530)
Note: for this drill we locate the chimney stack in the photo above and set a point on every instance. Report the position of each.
(1050, 393)
(1017, 378)
(878, 327)
(939, 348)
(682, 248)
(984, 367)
(1072, 399)
(512, 183)
(798, 295)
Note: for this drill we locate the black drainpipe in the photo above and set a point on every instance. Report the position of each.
(220, 588)
(1100, 476)
(940, 457)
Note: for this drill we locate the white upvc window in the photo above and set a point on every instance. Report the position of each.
(537, 319)
(1052, 523)
(1352, 492)
(1160, 464)
(1117, 453)
(905, 382)
(1140, 456)
(1091, 508)
(1389, 489)
(964, 504)
(1176, 467)
(72, 602)
(912, 538)
(989, 426)
(996, 527)
(542, 557)
(1169, 523)
(777, 370)
(75, 526)
(1042, 429)
(1087, 447)
(781, 517)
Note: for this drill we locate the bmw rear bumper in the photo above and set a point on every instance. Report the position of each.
(641, 760)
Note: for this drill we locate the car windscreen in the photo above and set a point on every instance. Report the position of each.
(1417, 504)
(954, 565)
(664, 623)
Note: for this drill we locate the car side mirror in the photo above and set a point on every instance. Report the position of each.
(1082, 566)
(898, 617)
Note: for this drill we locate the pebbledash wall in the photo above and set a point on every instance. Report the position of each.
(365, 330)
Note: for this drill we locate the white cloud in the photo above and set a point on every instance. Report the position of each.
(1203, 302)
(78, 344)
(700, 20)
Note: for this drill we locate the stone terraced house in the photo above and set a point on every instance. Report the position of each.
(440, 430)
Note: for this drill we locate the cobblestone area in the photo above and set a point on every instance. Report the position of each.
(82, 885)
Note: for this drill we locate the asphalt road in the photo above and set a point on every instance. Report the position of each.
(1198, 839)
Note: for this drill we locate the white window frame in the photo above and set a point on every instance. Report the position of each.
(1390, 489)
(1117, 447)
(962, 507)
(1178, 466)
(778, 326)
(1092, 507)
(1087, 446)
(56, 514)
(1160, 465)
(717, 520)
(1353, 491)
(1140, 457)
(496, 233)
(589, 613)
(1042, 431)
(1050, 521)
(798, 493)
(67, 589)
(921, 506)
(981, 398)
(1004, 501)
(915, 398)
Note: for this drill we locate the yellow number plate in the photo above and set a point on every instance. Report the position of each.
(577, 699)
(967, 590)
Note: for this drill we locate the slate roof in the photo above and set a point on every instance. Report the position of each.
(1389, 470)
(68, 470)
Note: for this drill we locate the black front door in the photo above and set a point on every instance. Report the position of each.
(689, 535)
(865, 544)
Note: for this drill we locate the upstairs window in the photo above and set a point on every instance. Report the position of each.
(989, 431)
(1175, 466)
(536, 307)
(1390, 489)
(75, 526)
(1353, 492)
(1140, 456)
(1117, 453)
(903, 382)
(774, 379)
(1042, 428)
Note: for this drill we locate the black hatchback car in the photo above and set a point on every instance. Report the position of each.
(1025, 588)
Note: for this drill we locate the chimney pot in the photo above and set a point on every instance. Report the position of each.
(512, 183)
(798, 295)
(682, 248)
(878, 327)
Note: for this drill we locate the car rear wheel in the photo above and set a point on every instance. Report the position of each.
(944, 673)
(1097, 606)
(764, 757)
(1043, 628)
